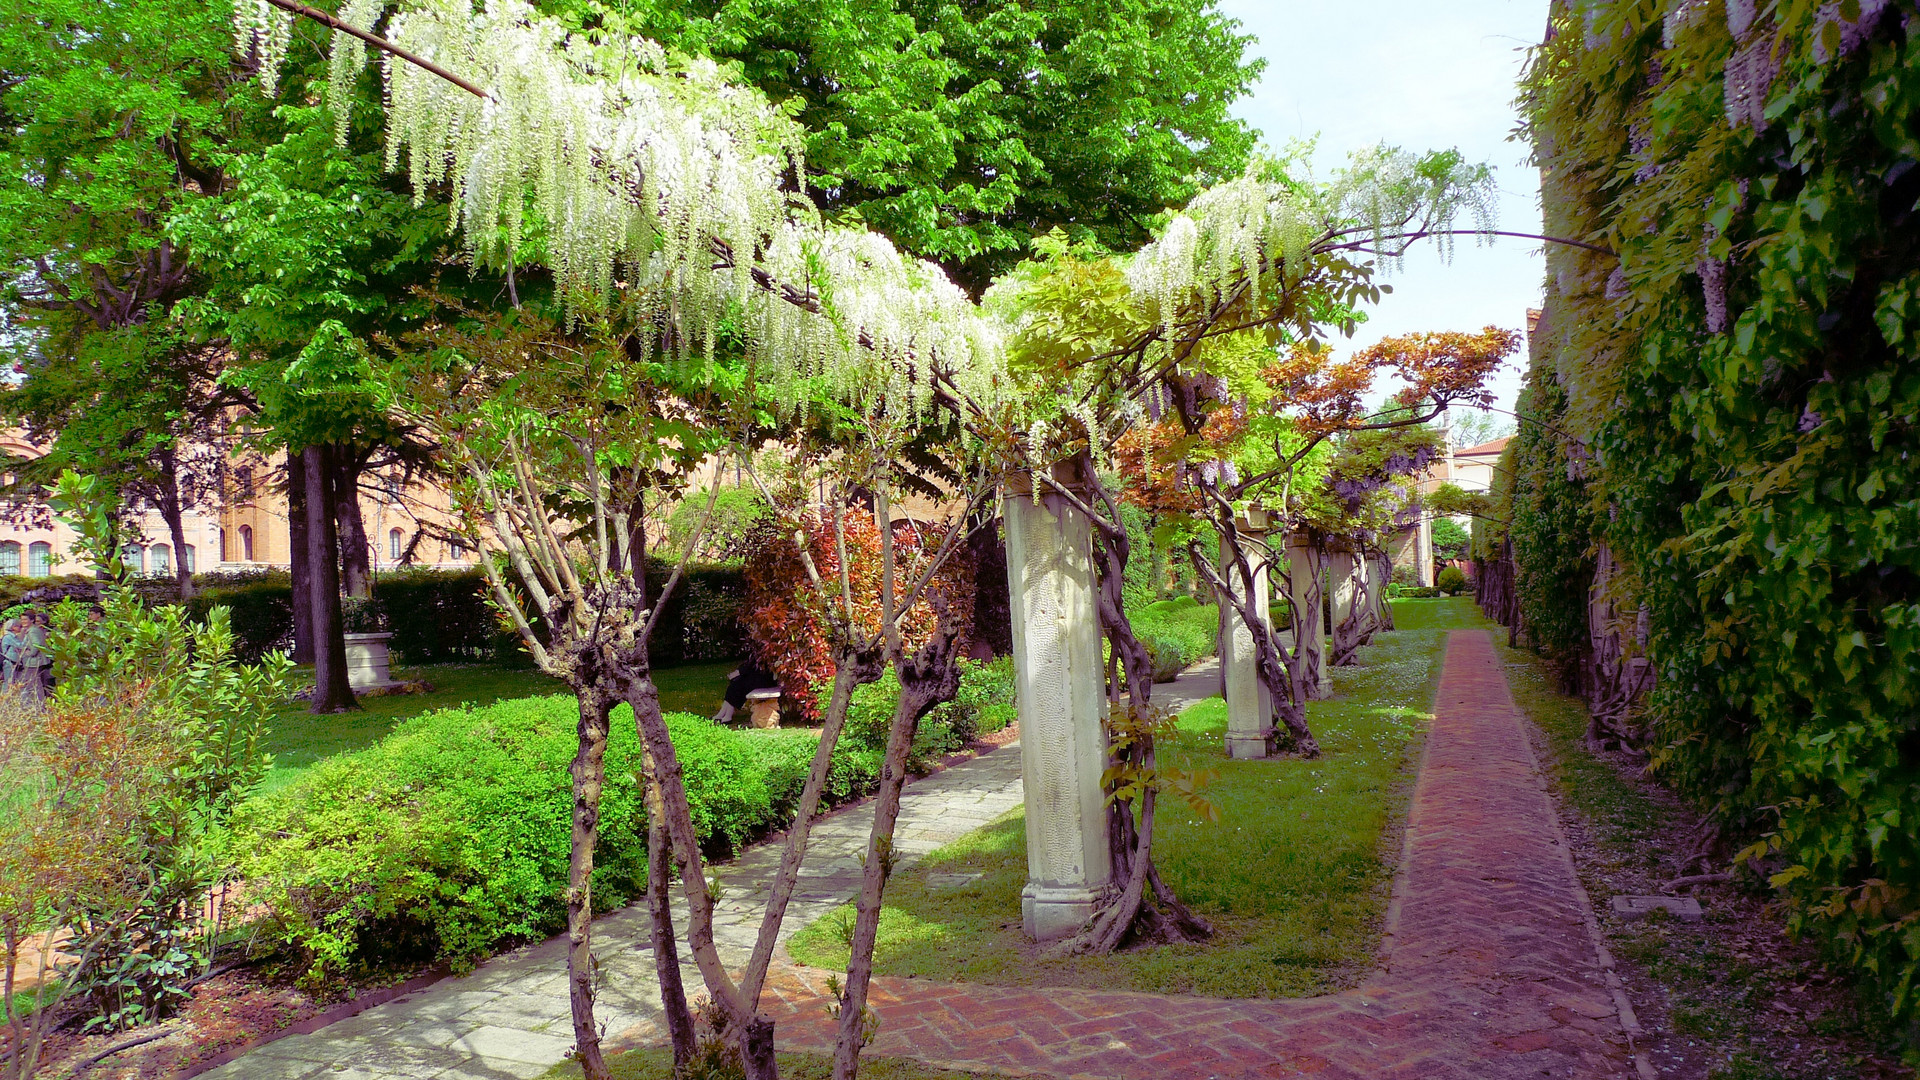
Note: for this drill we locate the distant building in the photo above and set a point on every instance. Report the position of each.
(407, 524)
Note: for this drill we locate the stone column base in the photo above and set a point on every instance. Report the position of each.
(1247, 746)
(1049, 913)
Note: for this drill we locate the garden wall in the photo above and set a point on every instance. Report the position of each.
(1723, 401)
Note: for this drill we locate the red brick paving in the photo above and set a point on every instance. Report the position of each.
(1492, 969)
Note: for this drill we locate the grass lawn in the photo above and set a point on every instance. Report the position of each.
(657, 1064)
(1294, 876)
(300, 738)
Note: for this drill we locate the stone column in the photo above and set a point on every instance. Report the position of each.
(1060, 687)
(1340, 567)
(1304, 567)
(1250, 732)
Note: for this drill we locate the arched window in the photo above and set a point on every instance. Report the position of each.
(243, 483)
(246, 543)
(162, 561)
(395, 544)
(136, 559)
(39, 559)
(10, 559)
(186, 557)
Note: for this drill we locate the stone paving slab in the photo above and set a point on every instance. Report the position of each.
(1493, 965)
(510, 1017)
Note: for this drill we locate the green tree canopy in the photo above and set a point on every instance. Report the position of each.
(962, 131)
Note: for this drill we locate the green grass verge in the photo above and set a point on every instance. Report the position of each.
(657, 1064)
(1294, 875)
(299, 738)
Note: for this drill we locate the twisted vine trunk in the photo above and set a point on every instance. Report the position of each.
(1145, 908)
(589, 777)
(927, 678)
(666, 951)
(745, 1028)
(1282, 672)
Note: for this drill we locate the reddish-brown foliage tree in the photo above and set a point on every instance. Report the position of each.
(785, 616)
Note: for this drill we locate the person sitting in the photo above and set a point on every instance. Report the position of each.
(741, 681)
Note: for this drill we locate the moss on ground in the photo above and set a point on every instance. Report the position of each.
(1294, 875)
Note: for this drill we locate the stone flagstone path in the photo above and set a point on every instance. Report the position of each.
(1492, 967)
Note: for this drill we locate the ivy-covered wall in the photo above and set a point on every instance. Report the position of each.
(1738, 370)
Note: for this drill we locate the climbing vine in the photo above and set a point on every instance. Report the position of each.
(1742, 376)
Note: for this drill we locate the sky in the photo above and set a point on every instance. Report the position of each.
(1421, 75)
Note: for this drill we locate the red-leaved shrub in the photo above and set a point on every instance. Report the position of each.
(785, 617)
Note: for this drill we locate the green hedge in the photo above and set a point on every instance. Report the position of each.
(450, 836)
(984, 704)
(1177, 634)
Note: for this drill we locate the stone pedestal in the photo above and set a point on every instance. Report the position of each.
(764, 708)
(1060, 687)
(368, 661)
(1250, 731)
(1304, 567)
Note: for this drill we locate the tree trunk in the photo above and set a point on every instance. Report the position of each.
(331, 693)
(750, 1033)
(666, 953)
(589, 774)
(356, 572)
(927, 679)
(852, 668)
(301, 600)
(173, 514)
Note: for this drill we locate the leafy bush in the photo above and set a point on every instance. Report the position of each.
(784, 757)
(983, 704)
(260, 612)
(1412, 592)
(450, 836)
(1451, 580)
(1177, 634)
(441, 617)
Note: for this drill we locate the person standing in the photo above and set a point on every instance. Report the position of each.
(36, 667)
(10, 643)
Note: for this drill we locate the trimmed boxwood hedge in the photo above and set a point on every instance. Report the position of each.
(1177, 633)
(449, 837)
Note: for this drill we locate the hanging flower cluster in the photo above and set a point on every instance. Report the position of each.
(651, 179)
(1261, 230)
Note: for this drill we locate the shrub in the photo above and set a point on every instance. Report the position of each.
(1177, 634)
(438, 617)
(983, 704)
(1451, 581)
(783, 618)
(450, 836)
(1450, 539)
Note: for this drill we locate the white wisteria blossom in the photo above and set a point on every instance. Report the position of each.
(651, 178)
(1274, 218)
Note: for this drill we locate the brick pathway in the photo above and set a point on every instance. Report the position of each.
(1492, 964)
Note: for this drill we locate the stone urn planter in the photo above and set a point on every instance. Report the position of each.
(368, 661)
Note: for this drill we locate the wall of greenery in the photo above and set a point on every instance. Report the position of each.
(1738, 397)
